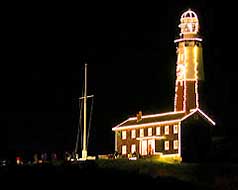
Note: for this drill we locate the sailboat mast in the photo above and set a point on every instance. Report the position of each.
(84, 151)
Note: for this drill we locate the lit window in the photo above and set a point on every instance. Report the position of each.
(180, 71)
(123, 149)
(176, 144)
(133, 148)
(157, 130)
(150, 131)
(166, 145)
(133, 134)
(141, 132)
(175, 129)
(166, 130)
(123, 134)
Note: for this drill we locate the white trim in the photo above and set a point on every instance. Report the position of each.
(163, 122)
(187, 39)
(208, 118)
(200, 111)
(150, 137)
(147, 116)
(114, 128)
(148, 124)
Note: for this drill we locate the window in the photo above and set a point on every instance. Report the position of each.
(123, 134)
(166, 130)
(166, 145)
(141, 132)
(133, 134)
(175, 144)
(180, 71)
(157, 130)
(186, 43)
(123, 149)
(175, 129)
(150, 131)
(133, 148)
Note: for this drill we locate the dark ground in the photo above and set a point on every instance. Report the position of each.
(117, 174)
(86, 176)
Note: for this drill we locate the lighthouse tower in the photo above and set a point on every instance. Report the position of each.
(189, 68)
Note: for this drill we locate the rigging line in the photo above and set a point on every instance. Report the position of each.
(79, 129)
(90, 120)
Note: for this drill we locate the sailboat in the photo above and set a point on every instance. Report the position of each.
(84, 156)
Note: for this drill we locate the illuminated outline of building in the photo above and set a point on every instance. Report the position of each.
(189, 63)
(184, 133)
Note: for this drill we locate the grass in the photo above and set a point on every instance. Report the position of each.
(203, 175)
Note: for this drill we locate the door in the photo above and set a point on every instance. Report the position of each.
(151, 147)
(144, 147)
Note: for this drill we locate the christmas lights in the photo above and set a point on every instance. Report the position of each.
(186, 101)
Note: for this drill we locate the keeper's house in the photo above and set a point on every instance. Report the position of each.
(172, 134)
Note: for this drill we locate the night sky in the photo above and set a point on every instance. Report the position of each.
(131, 67)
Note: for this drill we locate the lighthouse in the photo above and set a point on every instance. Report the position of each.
(189, 65)
(183, 134)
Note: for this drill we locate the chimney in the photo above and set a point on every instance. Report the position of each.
(139, 116)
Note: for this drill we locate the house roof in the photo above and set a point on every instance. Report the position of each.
(197, 110)
(151, 120)
(156, 119)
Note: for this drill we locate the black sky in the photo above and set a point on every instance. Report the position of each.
(131, 67)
